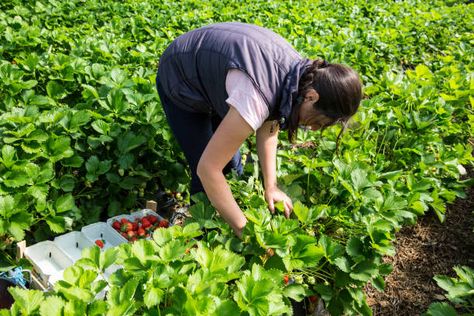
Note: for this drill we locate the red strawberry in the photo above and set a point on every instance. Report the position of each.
(126, 227)
(130, 234)
(123, 220)
(141, 232)
(152, 219)
(135, 226)
(100, 243)
(163, 223)
(116, 225)
(313, 298)
(145, 223)
(286, 279)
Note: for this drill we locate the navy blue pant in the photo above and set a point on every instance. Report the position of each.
(193, 132)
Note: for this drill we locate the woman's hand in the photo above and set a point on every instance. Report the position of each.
(274, 195)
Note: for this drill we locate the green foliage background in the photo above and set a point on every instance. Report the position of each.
(82, 133)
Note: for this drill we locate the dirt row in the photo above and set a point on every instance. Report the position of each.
(424, 250)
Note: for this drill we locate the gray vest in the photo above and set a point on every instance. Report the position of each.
(193, 69)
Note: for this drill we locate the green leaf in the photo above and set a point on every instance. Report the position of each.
(78, 276)
(89, 92)
(7, 206)
(465, 274)
(295, 291)
(73, 293)
(91, 257)
(59, 148)
(279, 206)
(172, 251)
(74, 161)
(29, 301)
(101, 127)
(79, 119)
(359, 179)
(107, 258)
(379, 283)
(228, 308)
(325, 291)
(143, 251)
(301, 212)
(38, 135)
(332, 249)
(97, 308)
(163, 236)
(305, 253)
(75, 307)
(394, 203)
(153, 296)
(423, 71)
(191, 230)
(16, 178)
(364, 271)
(55, 90)
(200, 211)
(64, 203)
(57, 224)
(116, 101)
(343, 264)
(17, 231)
(52, 306)
(372, 194)
(355, 248)
(128, 290)
(118, 75)
(126, 161)
(219, 262)
(441, 309)
(8, 156)
(129, 141)
(251, 295)
(45, 174)
(95, 168)
(67, 183)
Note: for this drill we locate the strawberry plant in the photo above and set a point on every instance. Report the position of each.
(460, 291)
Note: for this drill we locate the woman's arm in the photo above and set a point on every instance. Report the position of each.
(231, 133)
(267, 141)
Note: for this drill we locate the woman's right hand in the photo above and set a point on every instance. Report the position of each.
(274, 195)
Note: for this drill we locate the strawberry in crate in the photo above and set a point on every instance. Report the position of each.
(139, 227)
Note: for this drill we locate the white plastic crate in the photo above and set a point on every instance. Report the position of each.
(132, 217)
(101, 230)
(48, 260)
(72, 244)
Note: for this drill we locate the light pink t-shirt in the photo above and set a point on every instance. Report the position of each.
(245, 98)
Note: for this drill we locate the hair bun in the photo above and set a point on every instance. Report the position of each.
(320, 63)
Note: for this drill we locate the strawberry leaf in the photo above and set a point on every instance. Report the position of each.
(29, 301)
(52, 306)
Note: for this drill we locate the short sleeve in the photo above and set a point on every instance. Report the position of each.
(245, 98)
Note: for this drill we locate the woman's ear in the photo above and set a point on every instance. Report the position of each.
(311, 95)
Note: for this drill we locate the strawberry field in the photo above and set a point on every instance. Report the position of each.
(83, 138)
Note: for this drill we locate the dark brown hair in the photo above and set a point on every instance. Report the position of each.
(339, 88)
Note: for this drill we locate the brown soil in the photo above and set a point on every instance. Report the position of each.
(424, 250)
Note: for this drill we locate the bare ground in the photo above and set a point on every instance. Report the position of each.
(424, 250)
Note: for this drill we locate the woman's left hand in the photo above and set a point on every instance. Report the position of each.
(275, 195)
